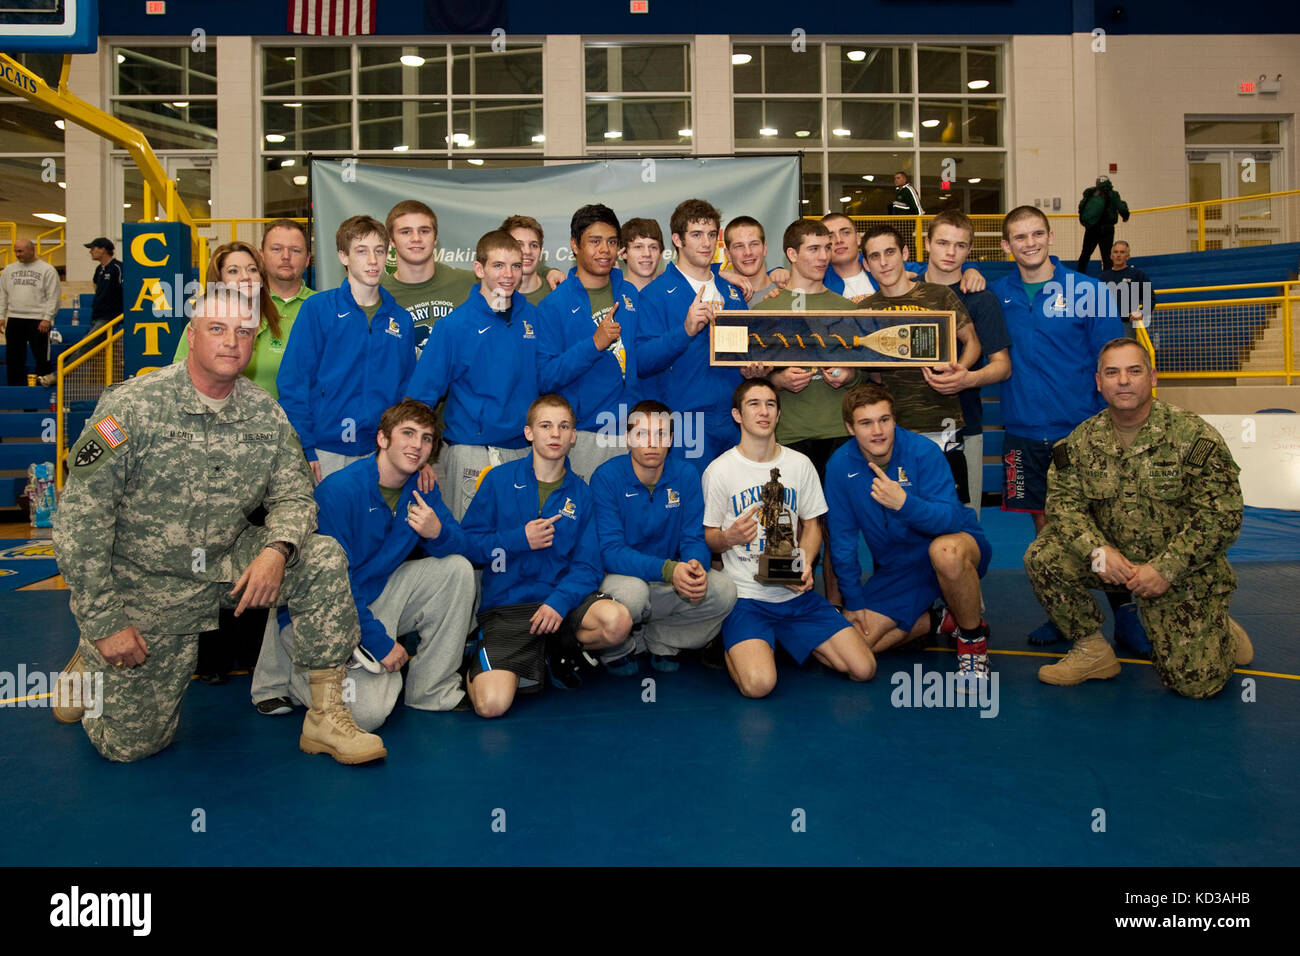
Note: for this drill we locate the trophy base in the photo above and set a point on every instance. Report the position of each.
(777, 570)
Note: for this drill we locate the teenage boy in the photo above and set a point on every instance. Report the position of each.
(919, 405)
(800, 618)
(846, 276)
(1055, 339)
(678, 308)
(375, 511)
(947, 244)
(642, 252)
(650, 521)
(532, 528)
(894, 488)
(583, 353)
(349, 354)
(420, 285)
(287, 253)
(746, 245)
(483, 358)
(527, 231)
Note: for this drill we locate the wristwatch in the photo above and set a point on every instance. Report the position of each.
(285, 548)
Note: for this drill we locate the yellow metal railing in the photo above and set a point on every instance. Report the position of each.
(219, 231)
(84, 370)
(9, 230)
(1245, 337)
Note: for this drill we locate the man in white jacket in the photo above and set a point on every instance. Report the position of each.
(29, 298)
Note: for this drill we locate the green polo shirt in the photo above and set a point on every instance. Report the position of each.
(288, 308)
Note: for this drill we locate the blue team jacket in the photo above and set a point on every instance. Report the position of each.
(486, 365)
(561, 575)
(690, 384)
(895, 538)
(1054, 347)
(337, 369)
(639, 531)
(567, 360)
(353, 512)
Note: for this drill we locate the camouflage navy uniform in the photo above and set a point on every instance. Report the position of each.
(1170, 500)
(151, 531)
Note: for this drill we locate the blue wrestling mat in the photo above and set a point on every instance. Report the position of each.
(24, 562)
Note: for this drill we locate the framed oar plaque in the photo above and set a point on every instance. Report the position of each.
(864, 338)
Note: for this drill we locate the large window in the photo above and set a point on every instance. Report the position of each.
(32, 171)
(169, 93)
(395, 104)
(638, 96)
(861, 112)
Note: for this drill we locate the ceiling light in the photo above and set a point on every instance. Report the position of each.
(181, 104)
(841, 131)
(401, 148)
(290, 59)
(300, 180)
(539, 138)
(293, 106)
(857, 56)
(411, 59)
(767, 131)
(459, 138)
(930, 123)
(474, 162)
(467, 143)
(63, 185)
(275, 137)
(978, 84)
(60, 124)
(121, 58)
(50, 216)
(126, 205)
(684, 132)
(845, 198)
(286, 163)
(905, 134)
(801, 133)
(613, 134)
(804, 201)
(869, 178)
(740, 59)
(975, 180)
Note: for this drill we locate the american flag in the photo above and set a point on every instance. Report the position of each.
(332, 17)
(111, 430)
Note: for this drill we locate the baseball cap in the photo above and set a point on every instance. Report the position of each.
(102, 243)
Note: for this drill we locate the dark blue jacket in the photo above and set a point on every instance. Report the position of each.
(354, 513)
(339, 372)
(567, 360)
(485, 363)
(561, 575)
(639, 531)
(896, 538)
(1055, 342)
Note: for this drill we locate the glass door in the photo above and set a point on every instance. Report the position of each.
(1235, 174)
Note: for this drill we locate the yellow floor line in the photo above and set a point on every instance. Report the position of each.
(17, 700)
(1122, 660)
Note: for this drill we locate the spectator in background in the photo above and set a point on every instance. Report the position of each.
(29, 298)
(108, 283)
(1132, 288)
(286, 253)
(1099, 209)
(906, 200)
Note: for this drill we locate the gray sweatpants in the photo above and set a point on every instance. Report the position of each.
(459, 467)
(591, 450)
(331, 462)
(974, 451)
(434, 597)
(663, 622)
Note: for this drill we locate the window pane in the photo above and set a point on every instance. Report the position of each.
(638, 69)
(940, 70)
(48, 66)
(161, 70)
(315, 125)
(984, 196)
(965, 123)
(284, 188)
(863, 69)
(382, 73)
(169, 126)
(637, 121)
(862, 184)
(25, 130)
(875, 122)
(983, 66)
(812, 202)
(1245, 132)
(477, 70)
(776, 69)
(306, 70)
(416, 124)
(27, 192)
(497, 124)
(774, 123)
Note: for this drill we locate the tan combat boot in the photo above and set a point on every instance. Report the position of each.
(1243, 650)
(69, 702)
(329, 728)
(1091, 658)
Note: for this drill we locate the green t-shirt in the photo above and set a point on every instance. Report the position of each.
(602, 301)
(430, 301)
(268, 350)
(391, 495)
(544, 489)
(537, 295)
(920, 408)
(815, 411)
(370, 311)
(1032, 288)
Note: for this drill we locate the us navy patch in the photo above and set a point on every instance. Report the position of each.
(1061, 455)
(1200, 452)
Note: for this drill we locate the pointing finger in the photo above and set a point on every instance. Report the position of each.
(876, 468)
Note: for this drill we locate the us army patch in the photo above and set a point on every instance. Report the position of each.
(1200, 452)
(89, 454)
(1061, 456)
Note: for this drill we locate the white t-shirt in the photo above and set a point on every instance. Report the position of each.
(733, 484)
(858, 287)
(711, 293)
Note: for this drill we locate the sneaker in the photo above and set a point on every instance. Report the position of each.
(1045, 634)
(563, 673)
(364, 659)
(972, 660)
(45, 381)
(942, 623)
(625, 666)
(1129, 631)
(664, 664)
(274, 706)
(713, 655)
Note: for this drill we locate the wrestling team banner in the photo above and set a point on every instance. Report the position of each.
(470, 202)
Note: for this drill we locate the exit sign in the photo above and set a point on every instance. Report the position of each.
(640, 6)
(155, 7)
(1246, 87)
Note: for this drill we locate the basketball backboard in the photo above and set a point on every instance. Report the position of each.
(49, 26)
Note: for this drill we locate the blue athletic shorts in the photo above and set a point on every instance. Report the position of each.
(1024, 469)
(904, 592)
(801, 625)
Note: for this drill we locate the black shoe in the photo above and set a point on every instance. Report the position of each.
(274, 706)
(713, 655)
(216, 679)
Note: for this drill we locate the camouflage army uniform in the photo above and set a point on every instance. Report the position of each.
(151, 531)
(1172, 501)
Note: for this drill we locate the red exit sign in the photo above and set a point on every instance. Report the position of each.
(1246, 86)
(640, 6)
(155, 7)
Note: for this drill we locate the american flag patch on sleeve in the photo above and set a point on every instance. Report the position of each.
(111, 430)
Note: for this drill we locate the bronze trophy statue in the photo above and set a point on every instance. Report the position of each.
(780, 562)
